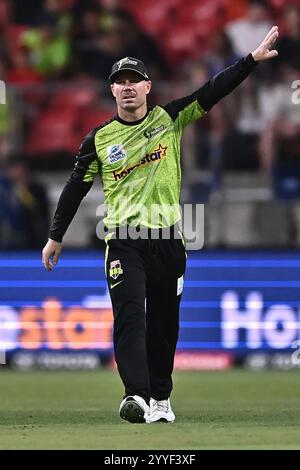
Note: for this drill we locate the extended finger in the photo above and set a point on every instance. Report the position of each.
(272, 31)
(271, 39)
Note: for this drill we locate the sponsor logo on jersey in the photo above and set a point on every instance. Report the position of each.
(116, 153)
(153, 157)
(115, 269)
(152, 132)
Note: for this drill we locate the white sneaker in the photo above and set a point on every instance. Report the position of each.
(135, 410)
(160, 410)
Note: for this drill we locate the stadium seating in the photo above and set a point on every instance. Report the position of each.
(200, 11)
(52, 133)
(151, 17)
(176, 25)
(180, 46)
(4, 12)
(70, 114)
(73, 97)
(279, 4)
(13, 34)
(92, 119)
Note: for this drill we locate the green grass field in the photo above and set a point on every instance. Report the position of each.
(215, 410)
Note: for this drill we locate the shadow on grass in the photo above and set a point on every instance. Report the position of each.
(96, 417)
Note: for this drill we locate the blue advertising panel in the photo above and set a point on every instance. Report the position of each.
(233, 301)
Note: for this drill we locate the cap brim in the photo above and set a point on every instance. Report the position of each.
(112, 75)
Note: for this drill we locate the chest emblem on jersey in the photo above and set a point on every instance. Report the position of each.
(149, 133)
(116, 153)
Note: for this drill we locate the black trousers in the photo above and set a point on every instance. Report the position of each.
(145, 279)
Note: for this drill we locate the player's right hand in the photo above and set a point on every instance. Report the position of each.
(51, 254)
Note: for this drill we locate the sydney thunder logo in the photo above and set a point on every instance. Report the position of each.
(152, 132)
(153, 157)
(126, 60)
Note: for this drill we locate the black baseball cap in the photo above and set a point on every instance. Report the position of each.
(129, 63)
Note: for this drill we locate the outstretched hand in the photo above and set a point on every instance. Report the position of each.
(263, 51)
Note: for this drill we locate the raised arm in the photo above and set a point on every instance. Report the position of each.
(227, 80)
(194, 106)
(77, 186)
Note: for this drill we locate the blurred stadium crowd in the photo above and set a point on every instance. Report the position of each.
(55, 57)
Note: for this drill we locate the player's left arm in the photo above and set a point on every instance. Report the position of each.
(227, 80)
(189, 108)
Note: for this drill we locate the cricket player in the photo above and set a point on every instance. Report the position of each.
(137, 155)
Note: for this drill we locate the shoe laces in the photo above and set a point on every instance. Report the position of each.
(162, 405)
